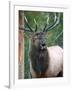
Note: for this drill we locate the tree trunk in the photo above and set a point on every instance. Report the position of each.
(21, 46)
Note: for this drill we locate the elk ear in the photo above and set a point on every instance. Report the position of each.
(28, 34)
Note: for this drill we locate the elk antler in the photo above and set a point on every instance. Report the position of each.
(56, 22)
(30, 29)
(28, 25)
(46, 23)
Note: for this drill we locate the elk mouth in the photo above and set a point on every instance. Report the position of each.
(43, 47)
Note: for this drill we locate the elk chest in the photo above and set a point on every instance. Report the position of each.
(40, 62)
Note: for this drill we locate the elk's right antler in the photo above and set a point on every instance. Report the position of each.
(28, 24)
(30, 29)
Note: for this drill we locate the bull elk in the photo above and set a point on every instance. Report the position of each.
(44, 61)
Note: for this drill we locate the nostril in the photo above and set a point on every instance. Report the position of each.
(43, 44)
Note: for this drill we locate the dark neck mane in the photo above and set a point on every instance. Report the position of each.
(39, 61)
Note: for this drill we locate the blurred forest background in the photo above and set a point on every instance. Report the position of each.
(54, 36)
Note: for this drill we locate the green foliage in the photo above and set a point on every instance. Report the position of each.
(54, 36)
(26, 62)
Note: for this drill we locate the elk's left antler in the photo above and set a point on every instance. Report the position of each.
(56, 22)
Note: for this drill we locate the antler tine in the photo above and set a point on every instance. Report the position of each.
(55, 17)
(45, 27)
(28, 24)
(46, 24)
(35, 24)
(56, 22)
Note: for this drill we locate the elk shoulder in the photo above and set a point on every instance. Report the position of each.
(56, 61)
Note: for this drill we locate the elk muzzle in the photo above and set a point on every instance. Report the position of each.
(43, 44)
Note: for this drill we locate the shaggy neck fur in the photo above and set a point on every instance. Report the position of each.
(39, 61)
